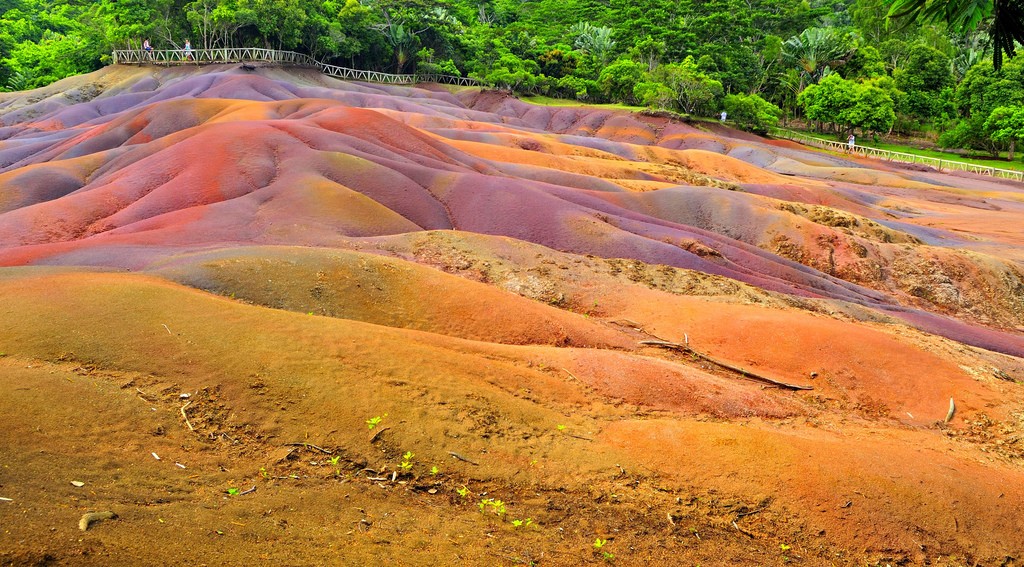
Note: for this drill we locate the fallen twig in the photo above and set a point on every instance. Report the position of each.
(751, 513)
(92, 517)
(310, 446)
(579, 437)
(743, 373)
(168, 329)
(250, 491)
(377, 433)
(742, 531)
(463, 459)
(571, 375)
(952, 410)
(187, 422)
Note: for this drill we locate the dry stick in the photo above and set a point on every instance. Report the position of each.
(250, 491)
(377, 434)
(310, 446)
(187, 422)
(750, 513)
(579, 437)
(952, 410)
(168, 329)
(463, 459)
(743, 373)
(742, 531)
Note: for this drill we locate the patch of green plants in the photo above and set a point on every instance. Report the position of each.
(233, 491)
(463, 492)
(496, 507)
(522, 523)
(406, 464)
(434, 470)
(375, 421)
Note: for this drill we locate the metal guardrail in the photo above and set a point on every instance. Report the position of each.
(901, 157)
(253, 54)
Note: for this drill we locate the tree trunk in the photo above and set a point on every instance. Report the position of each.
(1013, 144)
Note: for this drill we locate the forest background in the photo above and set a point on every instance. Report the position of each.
(839, 66)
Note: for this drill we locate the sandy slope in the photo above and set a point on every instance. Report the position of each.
(299, 255)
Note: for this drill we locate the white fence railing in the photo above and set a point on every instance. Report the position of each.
(902, 157)
(255, 54)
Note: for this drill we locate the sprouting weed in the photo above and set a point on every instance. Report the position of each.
(462, 492)
(375, 421)
(406, 464)
(497, 507)
(434, 470)
(599, 543)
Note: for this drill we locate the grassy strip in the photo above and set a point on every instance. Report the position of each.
(549, 101)
(1000, 163)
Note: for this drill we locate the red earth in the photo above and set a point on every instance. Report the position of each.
(268, 316)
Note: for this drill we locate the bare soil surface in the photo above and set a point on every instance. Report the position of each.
(273, 318)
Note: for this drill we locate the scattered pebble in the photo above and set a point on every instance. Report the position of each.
(185, 396)
(77, 483)
(155, 456)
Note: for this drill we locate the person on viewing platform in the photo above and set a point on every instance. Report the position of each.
(188, 50)
(850, 142)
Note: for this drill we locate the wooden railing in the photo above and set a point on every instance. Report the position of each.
(902, 157)
(255, 54)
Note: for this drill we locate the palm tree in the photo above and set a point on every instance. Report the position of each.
(1004, 19)
(815, 51)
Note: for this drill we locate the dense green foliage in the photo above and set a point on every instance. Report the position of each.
(839, 64)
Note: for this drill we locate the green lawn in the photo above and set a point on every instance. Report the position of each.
(549, 101)
(1001, 163)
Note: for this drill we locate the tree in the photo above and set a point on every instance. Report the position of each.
(694, 91)
(927, 80)
(618, 79)
(752, 111)
(1006, 124)
(1003, 18)
(593, 40)
(815, 51)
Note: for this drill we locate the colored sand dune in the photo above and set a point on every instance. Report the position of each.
(483, 270)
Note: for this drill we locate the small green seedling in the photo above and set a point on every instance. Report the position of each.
(334, 460)
(522, 523)
(561, 427)
(407, 461)
(599, 543)
(264, 473)
(462, 492)
(374, 421)
(497, 507)
(434, 470)
(784, 547)
(234, 491)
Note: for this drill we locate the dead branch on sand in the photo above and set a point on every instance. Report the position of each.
(187, 422)
(743, 373)
(309, 446)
